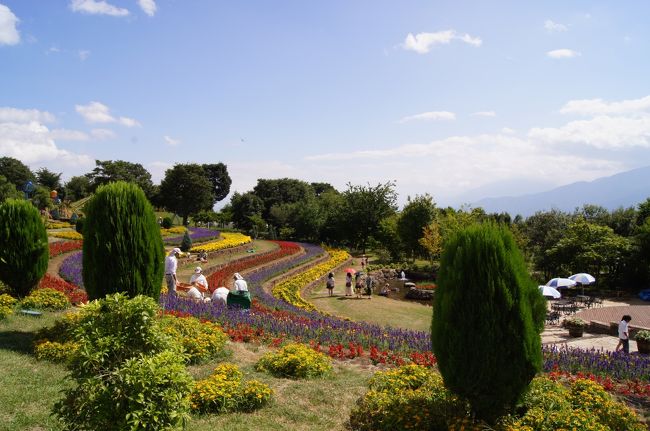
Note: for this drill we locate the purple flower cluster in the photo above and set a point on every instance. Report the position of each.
(616, 365)
(70, 269)
(197, 234)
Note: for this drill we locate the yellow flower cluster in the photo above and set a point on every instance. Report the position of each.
(7, 303)
(54, 351)
(227, 240)
(57, 225)
(295, 360)
(68, 234)
(46, 299)
(225, 391)
(201, 341)
(176, 230)
(289, 290)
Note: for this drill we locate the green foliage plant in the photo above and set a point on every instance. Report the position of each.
(295, 361)
(186, 243)
(488, 315)
(643, 335)
(24, 252)
(130, 374)
(167, 222)
(202, 341)
(225, 391)
(46, 299)
(7, 303)
(123, 250)
(53, 351)
(408, 397)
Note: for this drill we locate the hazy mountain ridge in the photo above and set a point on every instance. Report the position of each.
(625, 189)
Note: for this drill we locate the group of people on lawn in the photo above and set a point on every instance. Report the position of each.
(358, 287)
(198, 287)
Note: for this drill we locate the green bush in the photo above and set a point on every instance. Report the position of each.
(186, 243)
(79, 225)
(224, 391)
(409, 397)
(201, 341)
(487, 318)
(129, 373)
(7, 303)
(46, 299)
(24, 252)
(54, 351)
(123, 250)
(167, 222)
(296, 361)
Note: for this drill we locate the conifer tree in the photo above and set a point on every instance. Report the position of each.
(186, 243)
(123, 250)
(485, 330)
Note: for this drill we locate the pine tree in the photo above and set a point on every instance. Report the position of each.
(24, 252)
(486, 325)
(123, 250)
(186, 243)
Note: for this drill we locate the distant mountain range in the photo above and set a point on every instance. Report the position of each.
(625, 189)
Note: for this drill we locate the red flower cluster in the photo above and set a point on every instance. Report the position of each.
(385, 357)
(60, 247)
(74, 294)
(338, 351)
(626, 388)
(244, 333)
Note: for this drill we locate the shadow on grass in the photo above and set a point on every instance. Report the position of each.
(17, 341)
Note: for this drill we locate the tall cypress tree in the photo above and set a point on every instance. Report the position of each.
(123, 250)
(486, 324)
(24, 252)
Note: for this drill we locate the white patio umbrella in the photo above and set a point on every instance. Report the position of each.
(561, 282)
(583, 278)
(550, 291)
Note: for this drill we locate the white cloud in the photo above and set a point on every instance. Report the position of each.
(148, 6)
(508, 131)
(157, 170)
(563, 53)
(13, 115)
(430, 116)
(102, 134)
(96, 112)
(95, 7)
(599, 106)
(171, 141)
(69, 135)
(485, 114)
(83, 54)
(32, 143)
(554, 27)
(9, 34)
(422, 42)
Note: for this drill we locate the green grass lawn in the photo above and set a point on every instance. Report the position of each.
(30, 388)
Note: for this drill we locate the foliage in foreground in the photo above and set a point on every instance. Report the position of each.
(414, 397)
(46, 299)
(24, 251)
(122, 250)
(295, 361)
(7, 303)
(485, 298)
(201, 341)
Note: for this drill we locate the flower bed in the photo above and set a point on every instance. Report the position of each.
(71, 267)
(197, 234)
(228, 239)
(74, 293)
(69, 234)
(60, 247)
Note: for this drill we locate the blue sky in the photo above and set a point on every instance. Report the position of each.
(454, 99)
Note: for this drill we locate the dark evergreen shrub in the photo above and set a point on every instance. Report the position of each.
(485, 330)
(79, 225)
(167, 222)
(186, 244)
(24, 251)
(123, 250)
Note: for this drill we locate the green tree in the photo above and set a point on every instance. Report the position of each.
(48, 179)
(446, 222)
(108, 171)
(543, 230)
(186, 243)
(364, 208)
(77, 188)
(15, 172)
(122, 250)
(389, 237)
(218, 175)
(25, 252)
(416, 215)
(186, 190)
(487, 319)
(41, 198)
(643, 212)
(8, 190)
(245, 206)
(281, 191)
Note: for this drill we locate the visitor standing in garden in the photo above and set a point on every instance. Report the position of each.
(369, 283)
(348, 284)
(624, 334)
(240, 283)
(171, 264)
(330, 283)
(358, 284)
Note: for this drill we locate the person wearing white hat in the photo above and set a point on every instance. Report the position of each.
(171, 264)
(240, 283)
(198, 280)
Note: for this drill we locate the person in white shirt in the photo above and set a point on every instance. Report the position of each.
(220, 294)
(624, 334)
(199, 285)
(171, 264)
(240, 283)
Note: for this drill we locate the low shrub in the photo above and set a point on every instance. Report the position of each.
(295, 361)
(224, 391)
(167, 222)
(408, 397)
(46, 299)
(201, 341)
(7, 303)
(54, 351)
